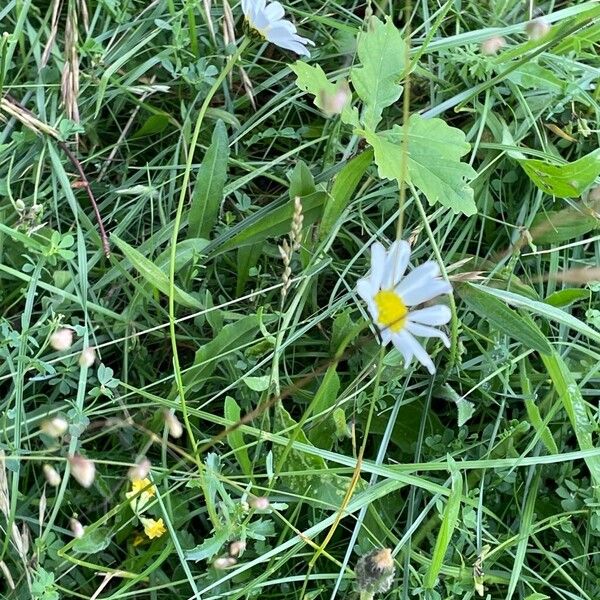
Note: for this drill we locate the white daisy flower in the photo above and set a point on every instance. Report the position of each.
(268, 20)
(391, 297)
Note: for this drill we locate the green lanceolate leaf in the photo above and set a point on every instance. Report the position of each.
(154, 275)
(505, 319)
(555, 227)
(230, 338)
(449, 522)
(236, 438)
(564, 181)
(576, 408)
(380, 52)
(208, 191)
(343, 189)
(434, 166)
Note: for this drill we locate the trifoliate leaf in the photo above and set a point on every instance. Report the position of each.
(564, 181)
(381, 54)
(434, 166)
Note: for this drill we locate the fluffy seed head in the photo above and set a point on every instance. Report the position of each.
(52, 476)
(62, 339)
(87, 357)
(173, 424)
(140, 470)
(375, 571)
(76, 528)
(492, 45)
(259, 503)
(83, 470)
(537, 29)
(224, 562)
(55, 427)
(236, 548)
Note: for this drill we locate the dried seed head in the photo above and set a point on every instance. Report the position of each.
(87, 357)
(54, 427)
(52, 476)
(236, 548)
(76, 528)
(224, 562)
(259, 503)
(492, 45)
(83, 469)
(297, 220)
(140, 470)
(62, 339)
(173, 424)
(537, 29)
(375, 571)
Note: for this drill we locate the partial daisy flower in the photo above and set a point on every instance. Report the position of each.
(391, 297)
(267, 19)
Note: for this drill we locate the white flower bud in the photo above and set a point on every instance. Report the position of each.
(62, 339)
(224, 562)
(87, 357)
(52, 476)
(537, 29)
(492, 45)
(260, 503)
(76, 528)
(83, 470)
(54, 427)
(140, 470)
(173, 424)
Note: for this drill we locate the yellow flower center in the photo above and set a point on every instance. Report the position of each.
(391, 310)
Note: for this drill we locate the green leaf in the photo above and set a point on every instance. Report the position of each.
(312, 79)
(321, 434)
(505, 319)
(231, 338)
(153, 274)
(258, 384)
(235, 439)
(434, 165)
(152, 125)
(545, 310)
(210, 547)
(465, 408)
(533, 76)
(566, 297)
(449, 522)
(302, 182)
(377, 81)
(564, 181)
(93, 541)
(208, 191)
(555, 227)
(343, 189)
(575, 406)
(275, 222)
(247, 257)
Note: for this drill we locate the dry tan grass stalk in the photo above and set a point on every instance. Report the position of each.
(69, 84)
(56, 6)
(287, 249)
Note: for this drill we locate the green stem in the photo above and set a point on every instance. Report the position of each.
(184, 186)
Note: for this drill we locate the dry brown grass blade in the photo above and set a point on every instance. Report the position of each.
(69, 84)
(580, 276)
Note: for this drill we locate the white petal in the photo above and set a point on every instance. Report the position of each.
(439, 314)
(425, 331)
(417, 277)
(260, 21)
(397, 260)
(418, 351)
(364, 289)
(399, 341)
(294, 46)
(274, 11)
(377, 264)
(428, 290)
(283, 26)
(386, 336)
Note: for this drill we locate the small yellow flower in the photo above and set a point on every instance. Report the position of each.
(153, 529)
(141, 493)
(137, 485)
(138, 540)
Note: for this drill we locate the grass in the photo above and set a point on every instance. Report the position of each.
(301, 436)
